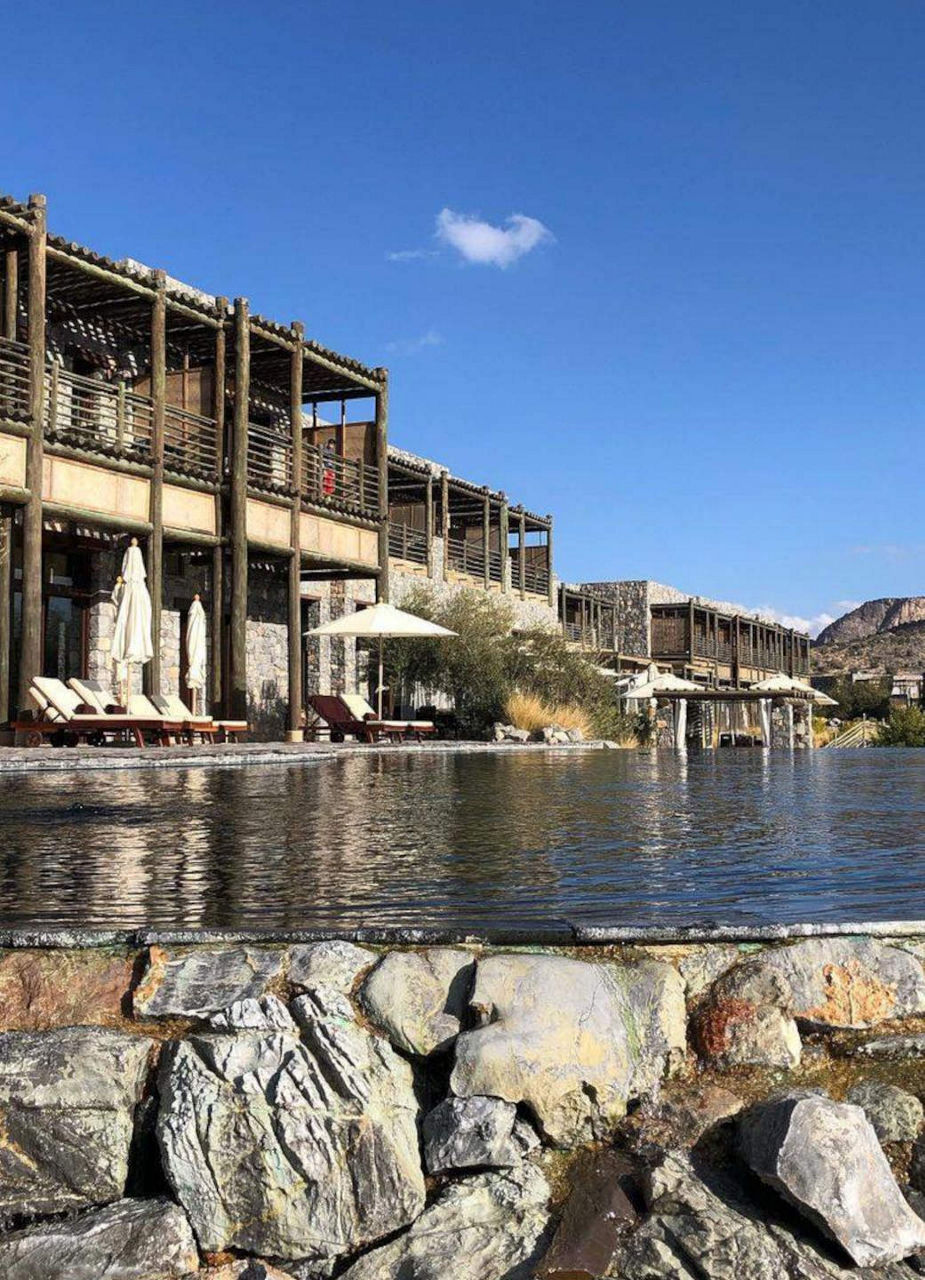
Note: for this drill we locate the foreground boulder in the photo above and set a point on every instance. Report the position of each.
(573, 1041)
(833, 982)
(418, 998)
(701, 1227)
(129, 1240)
(597, 1213)
(203, 981)
(288, 1148)
(492, 1226)
(463, 1133)
(824, 1158)
(67, 1102)
(44, 989)
(896, 1115)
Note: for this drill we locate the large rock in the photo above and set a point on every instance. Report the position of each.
(203, 981)
(702, 1227)
(266, 1014)
(244, 1269)
(67, 1105)
(833, 982)
(895, 1114)
(289, 1148)
(334, 964)
(464, 1133)
(572, 1040)
(824, 1158)
(128, 1240)
(492, 1226)
(57, 988)
(730, 1031)
(597, 1213)
(418, 998)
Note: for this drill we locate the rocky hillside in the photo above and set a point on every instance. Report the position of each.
(873, 617)
(901, 649)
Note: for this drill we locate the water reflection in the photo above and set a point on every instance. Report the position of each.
(469, 840)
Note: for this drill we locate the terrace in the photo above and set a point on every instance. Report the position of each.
(728, 648)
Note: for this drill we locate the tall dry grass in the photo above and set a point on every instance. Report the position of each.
(527, 711)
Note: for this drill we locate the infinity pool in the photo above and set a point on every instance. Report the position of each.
(471, 840)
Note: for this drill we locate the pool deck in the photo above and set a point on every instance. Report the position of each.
(49, 759)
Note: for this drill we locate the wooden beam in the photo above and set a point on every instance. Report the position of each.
(429, 524)
(382, 463)
(217, 610)
(238, 629)
(445, 520)
(552, 590)
(504, 535)
(10, 293)
(30, 646)
(295, 564)
(101, 273)
(156, 509)
(522, 554)
(6, 602)
(486, 540)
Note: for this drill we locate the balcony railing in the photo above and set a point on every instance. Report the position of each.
(191, 444)
(466, 556)
(14, 379)
(339, 482)
(269, 457)
(101, 417)
(536, 579)
(406, 543)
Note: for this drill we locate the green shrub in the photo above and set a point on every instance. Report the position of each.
(486, 664)
(904, 728)
(859, 698)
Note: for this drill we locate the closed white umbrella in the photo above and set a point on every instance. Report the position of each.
(386, 622)
(196, 648)
(131, 637)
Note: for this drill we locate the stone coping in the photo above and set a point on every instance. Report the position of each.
(557, 934)
(236, 755)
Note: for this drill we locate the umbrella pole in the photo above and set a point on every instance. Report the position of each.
(380, 677)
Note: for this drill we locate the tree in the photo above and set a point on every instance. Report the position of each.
(905, 728)
(858, 698)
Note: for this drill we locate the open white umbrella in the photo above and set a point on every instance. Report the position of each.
(788, 686)
(658, 683)
(131, 637)
(386, 622)
(196, 649)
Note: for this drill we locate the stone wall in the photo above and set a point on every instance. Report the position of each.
(724, 1109)
(267, 651)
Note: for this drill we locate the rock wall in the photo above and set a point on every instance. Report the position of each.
(708, 1111)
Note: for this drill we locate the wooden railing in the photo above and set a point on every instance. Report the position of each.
(336, 481)
(14, 379)
(101, 417)
(269, 457)
(495, 566)
(191, 444)
(467, 556)
(407, 543)
(536, 579)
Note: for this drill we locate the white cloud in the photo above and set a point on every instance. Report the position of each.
(488, 245)
(813, 625)
(410, 255)
(411, 346)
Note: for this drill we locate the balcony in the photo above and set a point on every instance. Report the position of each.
(343, 483)
(191, 445)
(407, 543)
(99, 417)
(269, 458)
(467, 556)
(14, 380)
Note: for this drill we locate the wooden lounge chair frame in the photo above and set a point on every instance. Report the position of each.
(342, 721)
(73, 721)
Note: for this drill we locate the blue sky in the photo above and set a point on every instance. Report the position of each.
(692, 323)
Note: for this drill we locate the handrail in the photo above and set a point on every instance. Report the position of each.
(101, 416)
(191, 443)
(269, 457)
(331, 479)
(407, 543)
(466, 556)
(14, 379)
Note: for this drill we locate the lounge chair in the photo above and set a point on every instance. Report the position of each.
(224, 730)
(341, 722)
(361, 710)
(65, 716)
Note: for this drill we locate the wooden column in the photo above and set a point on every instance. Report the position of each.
(295, 563)
(445, 519)
(429, 524)
(237, 666)
(690, 627)
(30, 649)
(737, 664)
(156, 508)
(217, 612)
(6, 581)
(382, 463)
(10, 293)
(552, 590)
(486, 540)
(563, 609)
(522, 554)
(503, 539)
(340, 432)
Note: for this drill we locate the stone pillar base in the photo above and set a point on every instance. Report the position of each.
(295, 735)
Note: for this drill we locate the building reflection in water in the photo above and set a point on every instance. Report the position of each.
(469, 839)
